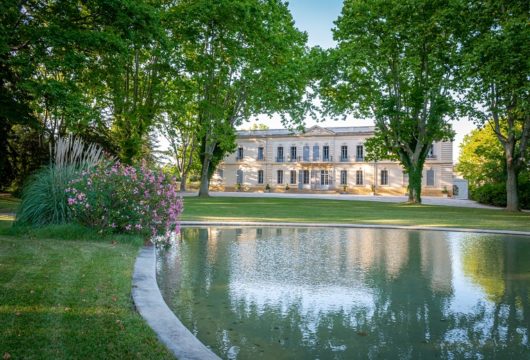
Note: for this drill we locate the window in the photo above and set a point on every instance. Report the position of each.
(430, 177)
(260, 153)
(293, 177)
(279, 154)
(344, 177)
(306, 153)
(316, 154)
(384, 177)
(239, 153)
(220, 173)
(430, 152)
(360, 153)
(260, 176)
(324, 177)
(280, 177)
(306, 177)
(343, 153)
(359, 177)
(293, 153)
(325, 153)
(239, 177)
(405, 179)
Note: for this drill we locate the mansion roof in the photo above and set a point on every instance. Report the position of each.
(312, 131)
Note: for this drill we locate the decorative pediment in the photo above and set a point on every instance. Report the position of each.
(317, 131)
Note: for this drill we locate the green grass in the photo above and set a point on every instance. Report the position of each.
(70, 299)
(8, 204)
(353, 212)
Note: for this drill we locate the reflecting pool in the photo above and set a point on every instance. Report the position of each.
(332, 293)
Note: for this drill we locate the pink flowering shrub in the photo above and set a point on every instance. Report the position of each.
(120, 198)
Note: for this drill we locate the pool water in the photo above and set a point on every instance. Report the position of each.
(337, 293)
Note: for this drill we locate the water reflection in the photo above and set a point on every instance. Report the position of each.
(350, 293)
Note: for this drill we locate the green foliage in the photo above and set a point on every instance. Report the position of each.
(494, 71)
(56, 78)
(44, 199)
(490, 194)
(495, 194)
(242, 58)
(395, 63)
(481, 158)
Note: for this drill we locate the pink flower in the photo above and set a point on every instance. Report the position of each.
(71, 201)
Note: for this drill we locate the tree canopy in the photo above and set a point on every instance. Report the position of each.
(394, 63)
(496, 70)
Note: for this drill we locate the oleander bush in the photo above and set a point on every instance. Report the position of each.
(113, 197)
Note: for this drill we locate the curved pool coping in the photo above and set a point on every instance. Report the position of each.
(170, 330)
(150, 304)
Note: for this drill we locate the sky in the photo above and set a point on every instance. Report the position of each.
(316, 18)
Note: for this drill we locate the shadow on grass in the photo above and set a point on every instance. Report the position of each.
(65, 232)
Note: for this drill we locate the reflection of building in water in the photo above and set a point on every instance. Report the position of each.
(365, 248)
(436, 260)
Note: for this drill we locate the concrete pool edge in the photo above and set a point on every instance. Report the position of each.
(152, 307)
(352, 226)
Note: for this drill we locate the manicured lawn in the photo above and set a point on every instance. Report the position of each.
(70, 299)
(355, 212)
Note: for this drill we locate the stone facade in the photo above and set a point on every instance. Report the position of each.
(324, 160)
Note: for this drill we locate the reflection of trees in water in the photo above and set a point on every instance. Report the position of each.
(410, 288)
(501, 267)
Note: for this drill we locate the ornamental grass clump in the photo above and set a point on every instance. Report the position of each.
(126, 199)
(43, 198)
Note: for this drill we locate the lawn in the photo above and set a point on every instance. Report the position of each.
(62, 298)
(353, 212)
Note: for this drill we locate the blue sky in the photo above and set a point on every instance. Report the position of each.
(316, 17)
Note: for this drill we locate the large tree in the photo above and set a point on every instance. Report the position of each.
(394, 63)
(496, 47)
(51, 74)
(247, 58)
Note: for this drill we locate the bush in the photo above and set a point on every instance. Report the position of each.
(43, 198)
(490, 194)
(119, 198)
(495, 194)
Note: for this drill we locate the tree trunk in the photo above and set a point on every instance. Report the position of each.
(205, 178)
(183, 179)
(512, 198)
(414, 189)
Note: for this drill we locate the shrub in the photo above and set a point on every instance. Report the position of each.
(119, 198)
(44, 200)
(495, 194)
(490, 194)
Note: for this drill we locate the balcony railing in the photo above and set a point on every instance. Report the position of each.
(344, 159)
(239, 158)
(359, 158)
(280, 159)
(431, 157)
